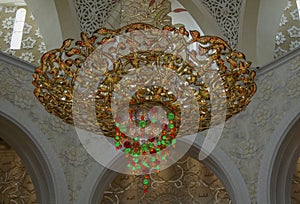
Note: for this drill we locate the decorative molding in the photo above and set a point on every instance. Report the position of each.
(16, 62)
(280, 61)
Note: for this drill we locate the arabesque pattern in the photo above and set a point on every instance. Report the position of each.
(55, 79)
(187, 181)
(227, 14)
(15, 183)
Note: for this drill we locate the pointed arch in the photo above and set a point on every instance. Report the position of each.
(279, 161)
(38, 157)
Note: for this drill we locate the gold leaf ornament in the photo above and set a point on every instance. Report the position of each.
(55, 78)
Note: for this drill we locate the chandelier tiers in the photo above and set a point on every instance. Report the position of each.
(59, 71)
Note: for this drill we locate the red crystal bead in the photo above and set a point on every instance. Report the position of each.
(152, 151)
(127, 144)
(136, 145)
(151, 139)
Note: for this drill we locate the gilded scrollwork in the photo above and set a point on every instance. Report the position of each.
(55, 79)
(187, 181)
(15, 183)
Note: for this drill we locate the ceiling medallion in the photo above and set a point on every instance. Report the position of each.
(147, 119)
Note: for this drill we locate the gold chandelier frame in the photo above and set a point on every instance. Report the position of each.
(58, 73)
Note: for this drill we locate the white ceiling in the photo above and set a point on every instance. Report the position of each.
(13, 2)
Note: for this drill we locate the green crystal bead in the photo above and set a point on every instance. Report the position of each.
(171, 116)
(144, 147)
(143, 124)
(171, 126)
(146, 181)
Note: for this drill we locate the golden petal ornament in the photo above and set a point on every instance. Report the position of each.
(55, 78)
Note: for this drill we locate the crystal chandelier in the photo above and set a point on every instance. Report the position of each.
(148, 119)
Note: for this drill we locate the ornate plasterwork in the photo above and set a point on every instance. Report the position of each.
(16, 90)
(246, 144)
(187, 181)
(15, 183)
(288, 35)
(32, 46)
(93, 14)
(227, 14)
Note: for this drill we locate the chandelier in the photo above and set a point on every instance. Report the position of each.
(148, 119)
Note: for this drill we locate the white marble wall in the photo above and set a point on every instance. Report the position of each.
(244, 138)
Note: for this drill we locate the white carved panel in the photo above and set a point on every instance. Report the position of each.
(227, 14)
(93, 14)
